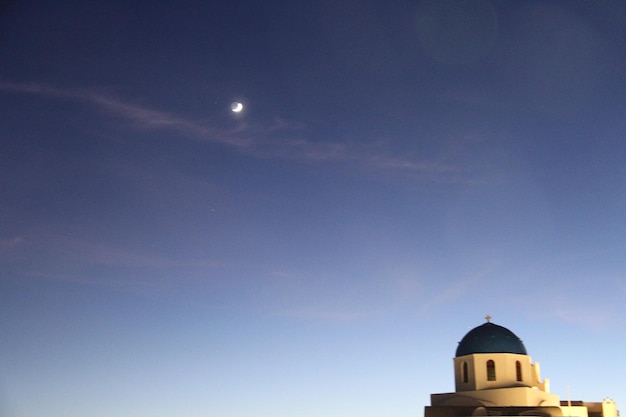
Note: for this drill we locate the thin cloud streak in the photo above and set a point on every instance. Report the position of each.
(11, 242)
(596, 318)
(319, 313)
(73, 259)
(141, 117)
(279, 140)
(454, 291)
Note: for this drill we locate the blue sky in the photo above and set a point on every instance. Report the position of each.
(400, 170)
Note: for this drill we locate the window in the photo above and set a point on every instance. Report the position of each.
(491, 370)
(518, 370)
(465, 373)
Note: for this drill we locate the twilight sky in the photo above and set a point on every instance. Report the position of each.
(401, 169)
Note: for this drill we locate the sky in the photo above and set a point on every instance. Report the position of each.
(400, 170)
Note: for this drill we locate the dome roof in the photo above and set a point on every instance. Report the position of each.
(490, 338)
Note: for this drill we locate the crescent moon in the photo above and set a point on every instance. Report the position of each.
(236, 107)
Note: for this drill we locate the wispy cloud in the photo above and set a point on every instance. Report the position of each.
(455, 290)
(277, 140)
(303, 296)
(81, 261)
(597, 318)
(11, 242)
(574, 309)
(138, 116)
(326, 314)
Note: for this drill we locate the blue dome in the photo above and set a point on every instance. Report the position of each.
(490, 338)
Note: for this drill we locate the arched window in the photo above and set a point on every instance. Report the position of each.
(518, 370)
(491, 370)
(465, 373)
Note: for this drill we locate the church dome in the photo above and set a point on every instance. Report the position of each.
(490, 338)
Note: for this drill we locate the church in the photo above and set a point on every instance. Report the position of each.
(495, 376)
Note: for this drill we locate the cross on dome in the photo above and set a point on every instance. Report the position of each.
(488, 318)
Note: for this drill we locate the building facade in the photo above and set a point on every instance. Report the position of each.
(495, 376)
